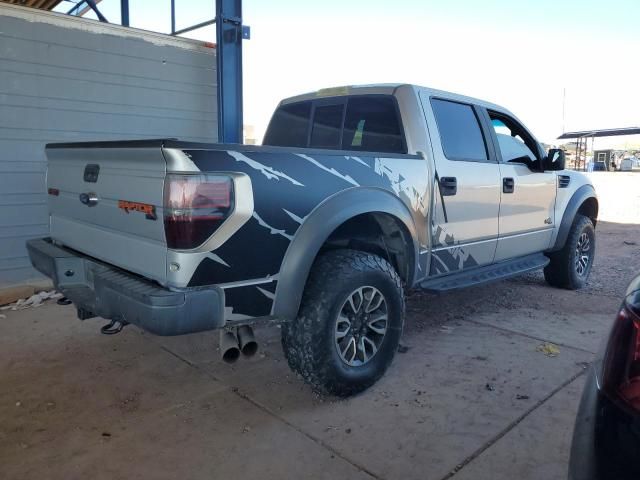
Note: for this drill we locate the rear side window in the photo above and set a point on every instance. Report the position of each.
(289, 126)
(460, 131)
(327, 125)
(372, 124)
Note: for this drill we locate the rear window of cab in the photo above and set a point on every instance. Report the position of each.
(369, 123)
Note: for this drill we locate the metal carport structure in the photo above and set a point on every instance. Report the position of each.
(70, 79)
(583, 136)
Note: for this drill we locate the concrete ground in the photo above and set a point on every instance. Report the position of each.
(471, 398)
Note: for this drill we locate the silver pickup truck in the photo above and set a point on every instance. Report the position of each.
(357, 194)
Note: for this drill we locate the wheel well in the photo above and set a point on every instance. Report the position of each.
(589, 208)
(378, 233)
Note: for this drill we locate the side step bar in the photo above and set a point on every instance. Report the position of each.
(489, 273)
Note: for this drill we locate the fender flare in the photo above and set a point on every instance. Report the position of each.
(318, 226)
(577, 199)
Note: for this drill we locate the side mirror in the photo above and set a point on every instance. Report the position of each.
(554, 160)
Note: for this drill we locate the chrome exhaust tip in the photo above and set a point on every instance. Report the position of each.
(247, 341)
(229, 346)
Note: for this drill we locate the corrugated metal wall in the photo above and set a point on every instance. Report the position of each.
(69, 79)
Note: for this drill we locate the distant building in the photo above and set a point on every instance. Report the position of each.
(608, 160)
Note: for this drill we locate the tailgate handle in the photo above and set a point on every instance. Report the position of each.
(89, 199)
(91, 172)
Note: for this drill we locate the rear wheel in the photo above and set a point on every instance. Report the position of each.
(349, 324)
(570, 267)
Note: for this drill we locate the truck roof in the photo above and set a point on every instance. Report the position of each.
(387, 89)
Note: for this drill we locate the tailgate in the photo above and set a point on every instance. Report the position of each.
(105, 201)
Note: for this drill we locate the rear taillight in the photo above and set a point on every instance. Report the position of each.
(194, 207)
(621, 369)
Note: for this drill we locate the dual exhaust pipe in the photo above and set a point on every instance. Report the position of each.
(233, 343)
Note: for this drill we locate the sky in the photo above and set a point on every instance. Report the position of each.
(525, 55)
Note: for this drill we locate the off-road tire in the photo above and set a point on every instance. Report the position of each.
(308, 341)
(561, 271)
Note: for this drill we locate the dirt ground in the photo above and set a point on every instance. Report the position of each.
(471, 398)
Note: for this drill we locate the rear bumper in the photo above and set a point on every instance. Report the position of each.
(98, 289)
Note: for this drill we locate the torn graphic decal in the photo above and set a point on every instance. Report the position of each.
(216, 258)
(401, 185)
(449, 259)
(268, 172)
(332, 171)
(359, 160)
(251, 300)
(294, 217)
(267, 293)
(287, 187)
(273, 230)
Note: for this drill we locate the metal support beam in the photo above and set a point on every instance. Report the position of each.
(195, 27)
(173, 17)
(74, 10)
(79, 8)
(124, 12)
(93, 6)
(229, 35)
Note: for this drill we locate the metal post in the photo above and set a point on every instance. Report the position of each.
(229, 34)
(93, 6)
(124, 12)
(173, 17)
(195, 27)
(581, 149)
(76, 8)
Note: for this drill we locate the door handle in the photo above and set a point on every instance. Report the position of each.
(448, 186)
(508, 185)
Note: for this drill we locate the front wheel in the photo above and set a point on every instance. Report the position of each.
(570, 267)
(349, 324)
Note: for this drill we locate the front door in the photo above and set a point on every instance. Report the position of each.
(464, 225)
(528, 194)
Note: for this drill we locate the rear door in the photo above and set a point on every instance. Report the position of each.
(465, 219)
(106, 202)
(528, 194)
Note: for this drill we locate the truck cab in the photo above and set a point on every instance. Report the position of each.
(493, 196)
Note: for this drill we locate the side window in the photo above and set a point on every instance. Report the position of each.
(327, 126)
(372, 124)
(460, 131)
(289, 126)
(515, 144)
